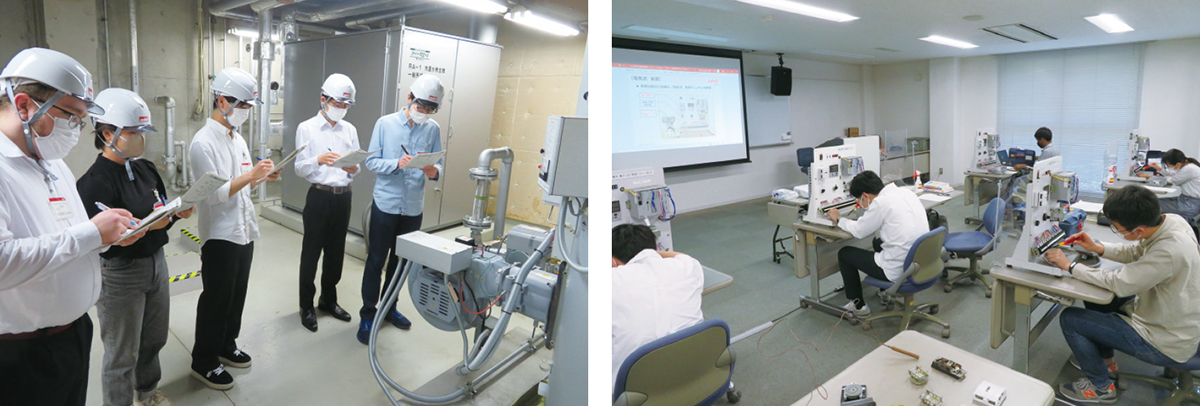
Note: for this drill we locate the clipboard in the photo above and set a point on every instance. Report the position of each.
(352, 158)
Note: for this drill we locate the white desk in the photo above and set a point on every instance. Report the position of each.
(714, 280)
(815, 247)
(972, 186)
(1018, 292)
(1110, 187)
(885, 373)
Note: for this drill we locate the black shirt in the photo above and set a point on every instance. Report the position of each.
(107, 182)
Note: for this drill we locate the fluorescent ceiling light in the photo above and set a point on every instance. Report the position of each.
(482, 6)
(802, 9)
(1110, 23)
(938, 39)
(673, 33)
(528, 19)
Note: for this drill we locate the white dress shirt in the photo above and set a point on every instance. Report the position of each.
(899, 217)
(1187, 178)
(321, 138)
(652, 297)
(223, 217)
(49, 268)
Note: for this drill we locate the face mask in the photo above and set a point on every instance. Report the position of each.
(416, 116)
(237, 117)
(335, 114)
(59, 142)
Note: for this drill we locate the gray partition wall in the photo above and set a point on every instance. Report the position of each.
(382, 65)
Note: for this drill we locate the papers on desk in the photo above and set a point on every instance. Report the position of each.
(1089, 207)
(934, 197)
(352, 158)
(421, 160)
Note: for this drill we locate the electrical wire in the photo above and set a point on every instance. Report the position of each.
(562, 218)
(464, 298)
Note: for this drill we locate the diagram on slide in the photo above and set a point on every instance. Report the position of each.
(683, 115)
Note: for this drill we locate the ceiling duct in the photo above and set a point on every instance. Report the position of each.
(1020, 32)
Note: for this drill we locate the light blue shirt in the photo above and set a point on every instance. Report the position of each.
(401, 191)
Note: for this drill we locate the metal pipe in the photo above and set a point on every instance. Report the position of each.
(170, 146)
(529, 347)
(200, 82)
(266, 53)
(133, 46)
(411, 11)
(483, 174)
(354, 9)
(185, 180)
(223, 6)
(484, 28)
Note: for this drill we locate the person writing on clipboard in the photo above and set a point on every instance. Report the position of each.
(399, 194)
(228, 227)
(327, 205)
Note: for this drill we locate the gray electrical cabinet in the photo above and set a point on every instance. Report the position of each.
(383, 64)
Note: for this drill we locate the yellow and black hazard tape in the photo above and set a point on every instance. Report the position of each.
(186, 276)
(189, 234)
(181, 253)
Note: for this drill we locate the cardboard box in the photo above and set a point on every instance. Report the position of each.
(852, 132)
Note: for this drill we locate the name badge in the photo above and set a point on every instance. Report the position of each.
(60, 208)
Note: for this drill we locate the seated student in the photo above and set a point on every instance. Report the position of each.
(1184, 172)
(654, 293)
(1042, 136)
(1159, 325)
(899, 218)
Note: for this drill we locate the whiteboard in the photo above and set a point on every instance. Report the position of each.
(767, 115)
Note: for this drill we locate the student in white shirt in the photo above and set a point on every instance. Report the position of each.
(228, 227)
(654, 293)
(327, 206)
(1182, 171)
(899, 218)
(50, 275)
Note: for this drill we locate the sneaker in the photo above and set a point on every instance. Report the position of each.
(217, 378)
(857, 312)
(364, 331)
(398, 320)
(1083, 390)
(1112, 369)
(236, 359)
(157, 399)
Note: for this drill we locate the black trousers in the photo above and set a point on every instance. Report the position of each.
(852, 260)
(384, 230)
(225, 272)
(326, 217)
(51, 370)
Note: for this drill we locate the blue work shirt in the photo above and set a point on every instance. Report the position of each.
(401, 191)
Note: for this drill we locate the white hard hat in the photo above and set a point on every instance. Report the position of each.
(54, 69)
(124, 109)
(428, 90)
(237, 83)
(339, 87)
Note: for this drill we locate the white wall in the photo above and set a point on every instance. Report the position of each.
(944, 103)
(1171, 95)
(901, 98)
(826, 99)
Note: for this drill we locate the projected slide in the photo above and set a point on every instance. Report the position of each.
(673, 110)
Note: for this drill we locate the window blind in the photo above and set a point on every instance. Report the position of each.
(1090, 98)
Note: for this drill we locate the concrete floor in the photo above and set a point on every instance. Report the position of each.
(293, 366)
(780, 366)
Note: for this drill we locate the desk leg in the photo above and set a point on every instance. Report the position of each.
(1021, 331)
(975, 190)
(814, 278)
(778, 249)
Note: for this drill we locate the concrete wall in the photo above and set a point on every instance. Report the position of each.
(18, 28)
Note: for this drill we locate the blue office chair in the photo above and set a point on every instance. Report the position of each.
(922, 267)
(974, 245)
(1178, 379)
(693, 366)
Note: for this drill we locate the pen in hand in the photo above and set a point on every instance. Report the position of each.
(405, 150)
(104, 207)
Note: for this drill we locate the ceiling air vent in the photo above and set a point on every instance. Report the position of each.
(1020, 32)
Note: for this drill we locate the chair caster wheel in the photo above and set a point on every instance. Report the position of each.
(866, 326)
(968, 221)
(934, 309)
(853, 321)
(733, 396)
(988, 294)
(946, 332)
(803, 304)
(890, 306)
(949, 287)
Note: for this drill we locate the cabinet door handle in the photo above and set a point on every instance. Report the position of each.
(437, 189)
